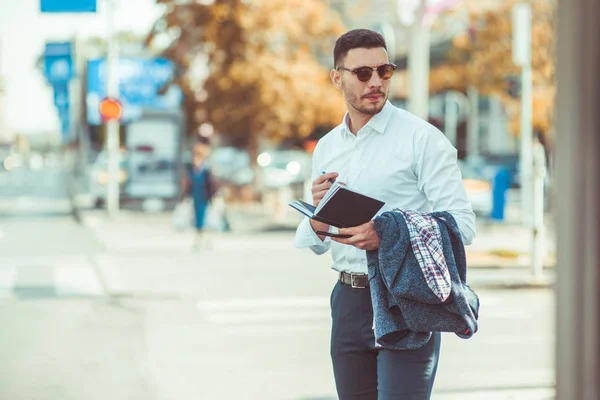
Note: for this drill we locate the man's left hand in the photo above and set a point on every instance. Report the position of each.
(364, 236)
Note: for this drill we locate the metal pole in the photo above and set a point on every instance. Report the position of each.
(112, 128)
(418, 65)
(527, 181)
(473, 127)
(538, 239)
(450, 117)
(526, 145)
(522, 57)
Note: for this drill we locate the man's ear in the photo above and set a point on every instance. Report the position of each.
(336, 79)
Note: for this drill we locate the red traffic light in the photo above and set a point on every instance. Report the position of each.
(110, 109)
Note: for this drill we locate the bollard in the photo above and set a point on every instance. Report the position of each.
(500, 185)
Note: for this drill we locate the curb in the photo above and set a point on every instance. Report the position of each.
(524, 285)
(506, 279)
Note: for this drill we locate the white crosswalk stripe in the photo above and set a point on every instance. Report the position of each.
(273, 302)
(508, 394)
(243, 317)
(69, 280)
(261, 316)
(62, 276)
(7, 281)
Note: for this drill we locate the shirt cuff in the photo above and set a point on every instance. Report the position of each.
(465, 219)
(307, 237)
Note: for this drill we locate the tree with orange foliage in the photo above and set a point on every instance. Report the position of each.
(484, 60)
(263, 73)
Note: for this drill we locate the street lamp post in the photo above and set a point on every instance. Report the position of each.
(112, 126)
(418, 60)
(419, 15)
(532, 186)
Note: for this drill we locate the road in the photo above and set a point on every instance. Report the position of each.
(125, 309)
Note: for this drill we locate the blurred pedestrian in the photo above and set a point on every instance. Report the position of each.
(201, 186)
(394, 156)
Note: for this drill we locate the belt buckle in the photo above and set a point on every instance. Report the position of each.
(354, 284)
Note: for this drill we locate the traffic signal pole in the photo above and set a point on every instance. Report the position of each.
(112, 125)
(532, 168)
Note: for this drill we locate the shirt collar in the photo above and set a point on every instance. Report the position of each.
(378, 122)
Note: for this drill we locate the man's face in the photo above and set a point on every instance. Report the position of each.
(366, 97)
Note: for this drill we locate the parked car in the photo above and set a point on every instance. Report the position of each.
(284, 167)
(231, 165)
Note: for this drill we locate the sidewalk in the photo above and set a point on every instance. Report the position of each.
(496, 245)
(500, 251)
(508, 245)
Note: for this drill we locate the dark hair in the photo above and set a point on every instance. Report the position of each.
(356, 38)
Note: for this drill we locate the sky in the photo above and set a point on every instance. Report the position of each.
(27, 103)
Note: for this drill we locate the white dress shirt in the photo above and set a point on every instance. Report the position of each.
(397, 158)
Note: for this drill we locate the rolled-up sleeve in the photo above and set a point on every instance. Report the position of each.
(439, 178)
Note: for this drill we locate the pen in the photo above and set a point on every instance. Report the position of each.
(330, 180)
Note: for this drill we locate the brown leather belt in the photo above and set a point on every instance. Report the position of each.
(357, 281)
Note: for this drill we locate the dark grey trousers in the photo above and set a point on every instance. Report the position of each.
(364, 372)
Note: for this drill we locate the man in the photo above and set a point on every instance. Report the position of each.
(389, 154)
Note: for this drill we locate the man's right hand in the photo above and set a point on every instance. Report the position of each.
(320, 186)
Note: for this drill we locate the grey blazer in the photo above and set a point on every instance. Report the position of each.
(405, 309)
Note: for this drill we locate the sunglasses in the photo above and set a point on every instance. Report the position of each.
(364, 74)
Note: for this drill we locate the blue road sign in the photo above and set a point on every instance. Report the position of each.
(65, 124)
(58, 62)
(139, 81)
(62, 103)
(57, 6)
(59, 70)
(61, 96)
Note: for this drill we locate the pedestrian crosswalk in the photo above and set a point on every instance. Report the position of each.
(499, 394)
(264, 316)
(48, 276)
(7, 281)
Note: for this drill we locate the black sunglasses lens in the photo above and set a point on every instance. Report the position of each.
(385, 71)
(364, 74)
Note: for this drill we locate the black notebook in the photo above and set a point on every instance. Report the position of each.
(341, 207)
